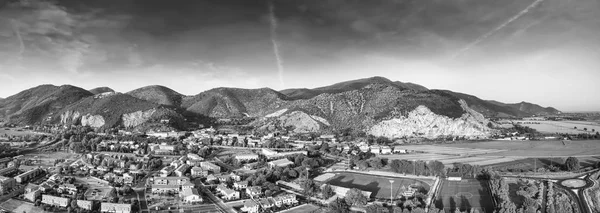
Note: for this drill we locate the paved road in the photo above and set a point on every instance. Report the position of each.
(141, 196)
(219, 203)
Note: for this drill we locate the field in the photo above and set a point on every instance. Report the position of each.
(450, 150)
(536, 148)
(16, 132)
(47, 159)
(13, 205)
(567, 127)
(379, 186)
(306, 208)
(465, 195)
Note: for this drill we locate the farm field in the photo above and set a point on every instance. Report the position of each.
(17, 132)
(377, 185)
(536, 148)
(418, 156)
(465, 195)
(440, 149)
(559, 126)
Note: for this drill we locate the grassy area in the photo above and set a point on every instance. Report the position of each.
(378, 186)
(465, 195)
(573, 183)
(306, 208)
(13, 205)
(536, 148)
(565, 127)
(16, 132)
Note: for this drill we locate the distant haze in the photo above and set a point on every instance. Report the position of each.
(548, 55)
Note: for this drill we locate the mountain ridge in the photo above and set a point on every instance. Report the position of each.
(358, 104)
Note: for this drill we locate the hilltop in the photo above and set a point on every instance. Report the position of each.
(304, 93)
(158, 94)
(35, 104)
(100, 90)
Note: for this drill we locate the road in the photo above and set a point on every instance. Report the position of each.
(141, 196)
(219, 203)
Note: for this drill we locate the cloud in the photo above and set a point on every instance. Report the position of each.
(54, 36)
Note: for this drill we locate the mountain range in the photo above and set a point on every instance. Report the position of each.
(374, 105)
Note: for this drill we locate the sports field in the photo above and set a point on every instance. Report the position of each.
(465, 195)
(379, 186)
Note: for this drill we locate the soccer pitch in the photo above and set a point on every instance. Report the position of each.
(464, 195)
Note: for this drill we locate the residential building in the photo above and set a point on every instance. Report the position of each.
(250, 206)
(67, 188)
(246, 157)
(192, 156)
(288, 199)
(115, 207)
(385, 150)
(55, 201)
(230, 194)
(235, 177)
(198, 172)
(280, 163)
(171, 180)
(266, 203)
(100, 194)
(32, 193)
(190, 195)
(165, 189)
(205, 165)
(85, 204)
(375, 149)
(28, 175)
(240, 185)
(254, 191)
(221, 187)
(6, 184)
(181, 170)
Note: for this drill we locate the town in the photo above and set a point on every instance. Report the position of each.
(208, 170)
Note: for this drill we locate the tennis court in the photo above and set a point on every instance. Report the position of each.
(464, 195)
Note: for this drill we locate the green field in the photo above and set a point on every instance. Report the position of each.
(465, 195)
(585, 148)
(566, 127)
(379, 186)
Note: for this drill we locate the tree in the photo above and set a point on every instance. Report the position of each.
(310, 188)
(375, 208)
(327, 191)
(355, 197)
(339, 206)
(572, 164)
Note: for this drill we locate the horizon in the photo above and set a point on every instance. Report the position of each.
(543, 52)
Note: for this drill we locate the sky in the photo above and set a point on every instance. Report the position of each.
(540, 51)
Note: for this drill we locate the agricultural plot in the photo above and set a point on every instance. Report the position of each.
(447, 150)
(566, 127)
(418, 156)
(379, 186)
(524, 149)
(465, 195)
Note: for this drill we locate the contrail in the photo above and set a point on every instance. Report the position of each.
(21, 44)
(275, 44)
(490, 33)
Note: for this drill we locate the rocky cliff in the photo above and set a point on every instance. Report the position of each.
(422, 122)
(137, 118)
